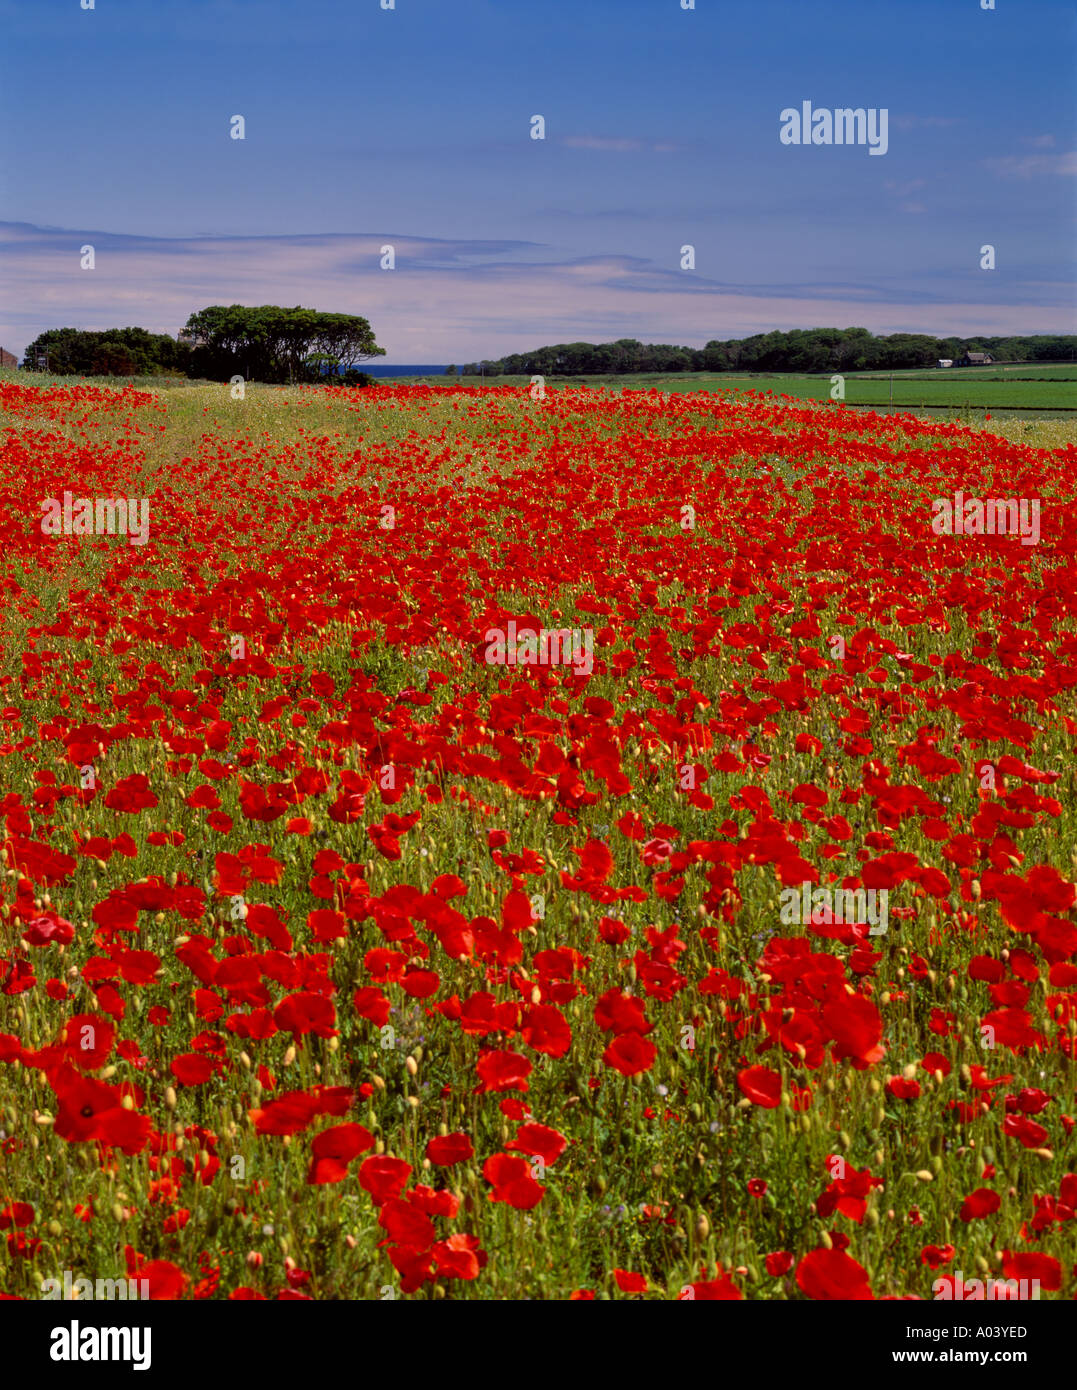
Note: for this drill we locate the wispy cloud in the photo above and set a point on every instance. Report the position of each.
(618, 144)
(456, 300)
(1029, 166)
(926, 122)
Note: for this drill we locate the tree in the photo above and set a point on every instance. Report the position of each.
(110, 352)
(111, 358)
(268, 343)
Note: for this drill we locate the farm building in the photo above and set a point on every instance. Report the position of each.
(975, 359)
(945, 362)
(8, 359)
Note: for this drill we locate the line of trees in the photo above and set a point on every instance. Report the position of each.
(799, 350)
(263, 343)
(108, 352)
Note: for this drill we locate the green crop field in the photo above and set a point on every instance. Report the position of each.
(951, 389)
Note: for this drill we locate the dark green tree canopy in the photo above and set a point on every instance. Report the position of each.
(108, 352)
(799, 350)
(268, 343)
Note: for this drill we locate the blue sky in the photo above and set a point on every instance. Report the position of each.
(411, 127)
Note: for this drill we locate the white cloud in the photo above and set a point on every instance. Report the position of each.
(617, 144)
(1027, 166)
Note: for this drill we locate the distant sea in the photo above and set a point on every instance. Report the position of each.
(422, 369)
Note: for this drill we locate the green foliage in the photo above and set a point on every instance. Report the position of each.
(271, 344)
(800, 350)
(108, 352)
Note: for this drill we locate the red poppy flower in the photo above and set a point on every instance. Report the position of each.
(720, 1289)
(544, 1029)
(983, 1202)
(90, 1110)
(1033, 1265)
(458, 1257)
(761, 1085)
(420, 984)
(304, 1013)
(131, 794)
(540, 1141)
(447, 1149)
(333, 1149)
(372, 1004)
(288, 1114)
(191, 1069)
(384, 1177)
(16, 1214)
(630, 1054)
(48, 929)
(832, 1274)
(617, 1012)
(326, 924)
(87, 1040)
(503, 1071)
(856, 1027)
(512, 1182)
(405, 1224)
(166, 1280)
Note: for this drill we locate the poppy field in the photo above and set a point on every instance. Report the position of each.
(419, 853)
